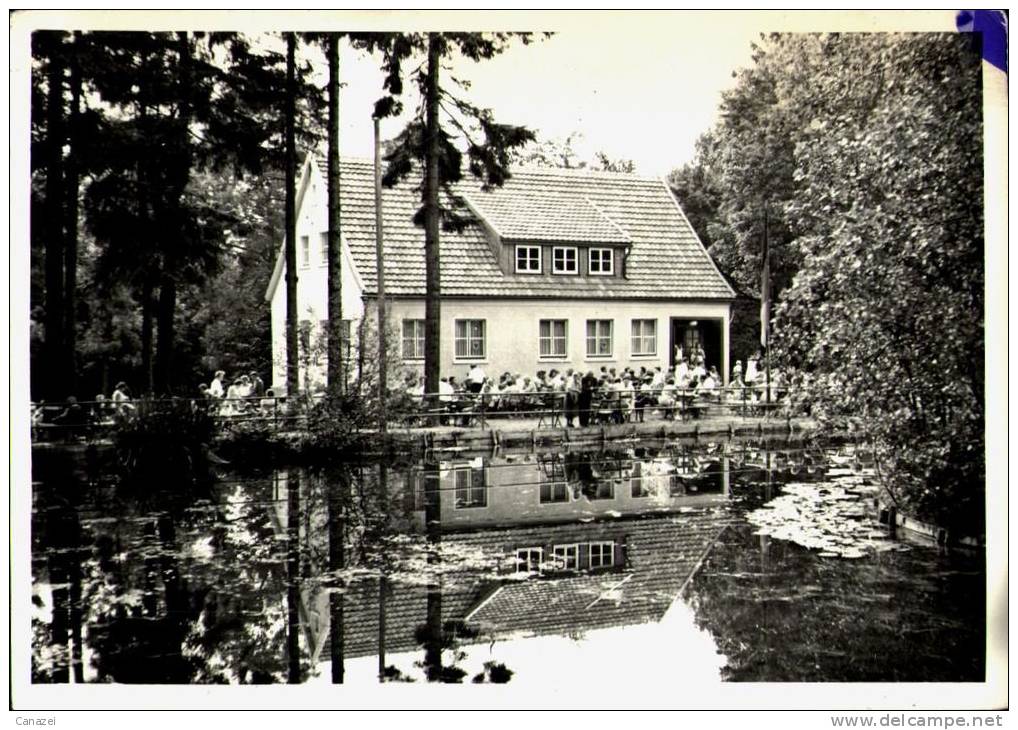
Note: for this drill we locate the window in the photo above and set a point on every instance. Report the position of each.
(636, 481)
(602, 554)
(599, 338)
(552, 336)
(566, 557)
(644, 336)
(470, 339)
(323, 250)
(413, 339)
(601, 262)
(553, 492)
(305, 252)
(471, 490)
(553, 479)
(529, 560)
(528, 259)
(563, 260)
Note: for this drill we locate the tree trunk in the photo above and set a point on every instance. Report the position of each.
(71, 241)
(336, 354)
(433, 283)
(383, 370)
(169, 215)
(146, 336)
(164, 344)
(290, 164)
(55, 385)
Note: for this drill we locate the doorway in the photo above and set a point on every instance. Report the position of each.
(692, 333)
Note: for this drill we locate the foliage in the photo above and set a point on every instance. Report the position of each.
(860, 149)
(171, 122)
(162, 448)
(562, 153)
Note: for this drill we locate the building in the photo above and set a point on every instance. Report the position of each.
(557, 269)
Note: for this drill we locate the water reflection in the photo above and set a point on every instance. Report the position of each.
(444, 570)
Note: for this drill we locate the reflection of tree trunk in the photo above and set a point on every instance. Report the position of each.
(432, 516)
(64, 535)
(59, 628)
(383, 581)
(337, 561)
(148, 599)
(76, 618)
(293, 578)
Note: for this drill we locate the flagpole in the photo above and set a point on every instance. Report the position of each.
(765, 311)
(383, 375)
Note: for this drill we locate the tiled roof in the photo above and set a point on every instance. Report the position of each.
(661, 553)
(519, 216)
(667, 259)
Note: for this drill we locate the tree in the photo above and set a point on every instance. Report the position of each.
(49, 45)
(290, 172)
(336, 360)
(428, 145)
(859, 149)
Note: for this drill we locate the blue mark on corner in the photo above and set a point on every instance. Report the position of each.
(993, 26)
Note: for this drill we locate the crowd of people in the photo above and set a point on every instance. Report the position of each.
(245, 394)
(615, 395)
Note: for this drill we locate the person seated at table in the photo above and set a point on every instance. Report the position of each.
(102, 411)
(72, 418)
(268, 402)
(699, 369)
(627, 397)
(707, 388)
(658, 379)
(122, 400)
(475, 379)
(751, 370)
(736, 390)
(446, 392)
(489, 395)
(556, 380)
(667, 398)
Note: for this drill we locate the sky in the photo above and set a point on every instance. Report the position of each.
(638, 86)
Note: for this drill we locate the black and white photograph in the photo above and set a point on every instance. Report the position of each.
(621, 359)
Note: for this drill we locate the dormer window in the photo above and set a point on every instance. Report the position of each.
(564, 260)
(601, 262)
(528, 259)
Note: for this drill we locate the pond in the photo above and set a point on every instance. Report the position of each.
(645, 562)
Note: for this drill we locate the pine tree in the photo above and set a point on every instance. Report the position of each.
(428, 146)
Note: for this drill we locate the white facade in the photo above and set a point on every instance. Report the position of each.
(511, 326)
(312, 285)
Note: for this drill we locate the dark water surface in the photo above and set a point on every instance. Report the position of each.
(682, 562)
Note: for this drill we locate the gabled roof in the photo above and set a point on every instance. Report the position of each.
(518, 216)
(667, 259)
(662, 552)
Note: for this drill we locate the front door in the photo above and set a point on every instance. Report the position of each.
(690, 334)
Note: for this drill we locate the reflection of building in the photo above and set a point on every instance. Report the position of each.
(574, 557)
